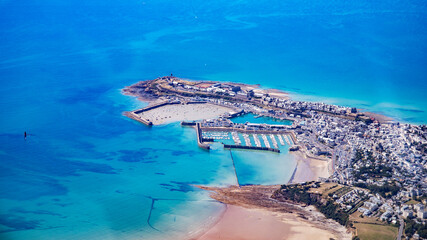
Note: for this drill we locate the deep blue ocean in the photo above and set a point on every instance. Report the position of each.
(87, 172)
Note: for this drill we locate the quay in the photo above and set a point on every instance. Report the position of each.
(252, 148)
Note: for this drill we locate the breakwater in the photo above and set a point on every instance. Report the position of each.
(252, 148)
(136, 117)
(234, 167)
(200, 138)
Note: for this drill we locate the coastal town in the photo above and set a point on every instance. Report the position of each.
(377, 166)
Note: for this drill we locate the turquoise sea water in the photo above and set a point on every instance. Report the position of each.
(87, 172)
(251, 118)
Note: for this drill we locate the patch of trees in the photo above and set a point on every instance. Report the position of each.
(378, 171)
(387, 190)
(297, 193)
(412, 227)
(359, 155)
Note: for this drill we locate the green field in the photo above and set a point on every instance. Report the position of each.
(412, 202)
(375, 232)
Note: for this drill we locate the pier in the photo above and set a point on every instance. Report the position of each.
(266, 142)
(247, 140)
(273, 139)
(256, 140)
(236, 138)
(138, 118)
(287, 140)
(281, 140)
(293, 137)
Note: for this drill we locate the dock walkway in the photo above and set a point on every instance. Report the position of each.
(273, 139)
(266, 142)
(256, 140)
(281, 140)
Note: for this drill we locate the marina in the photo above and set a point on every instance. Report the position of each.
(216, 135)
(241, 139)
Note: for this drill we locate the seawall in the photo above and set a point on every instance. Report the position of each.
(252, 148)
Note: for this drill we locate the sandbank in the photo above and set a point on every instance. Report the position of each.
(252, 214)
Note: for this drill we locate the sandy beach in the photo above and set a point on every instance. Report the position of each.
(308, 169)
(254, 224)
(252, 215)
(184, 112)
(380, 117)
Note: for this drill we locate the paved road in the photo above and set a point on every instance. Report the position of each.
(399, 235)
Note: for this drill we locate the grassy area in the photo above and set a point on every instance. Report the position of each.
(332, 188)
(355, 208)
(356, 217)
(367, 231)
(342, 191)
(412, 202)
(324, 187)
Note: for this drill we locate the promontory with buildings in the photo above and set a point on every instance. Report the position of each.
(363, 170)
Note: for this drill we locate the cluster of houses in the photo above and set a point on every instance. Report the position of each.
(418, 210)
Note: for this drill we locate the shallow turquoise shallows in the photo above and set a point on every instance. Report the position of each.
(87, 172)
(252, 118)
